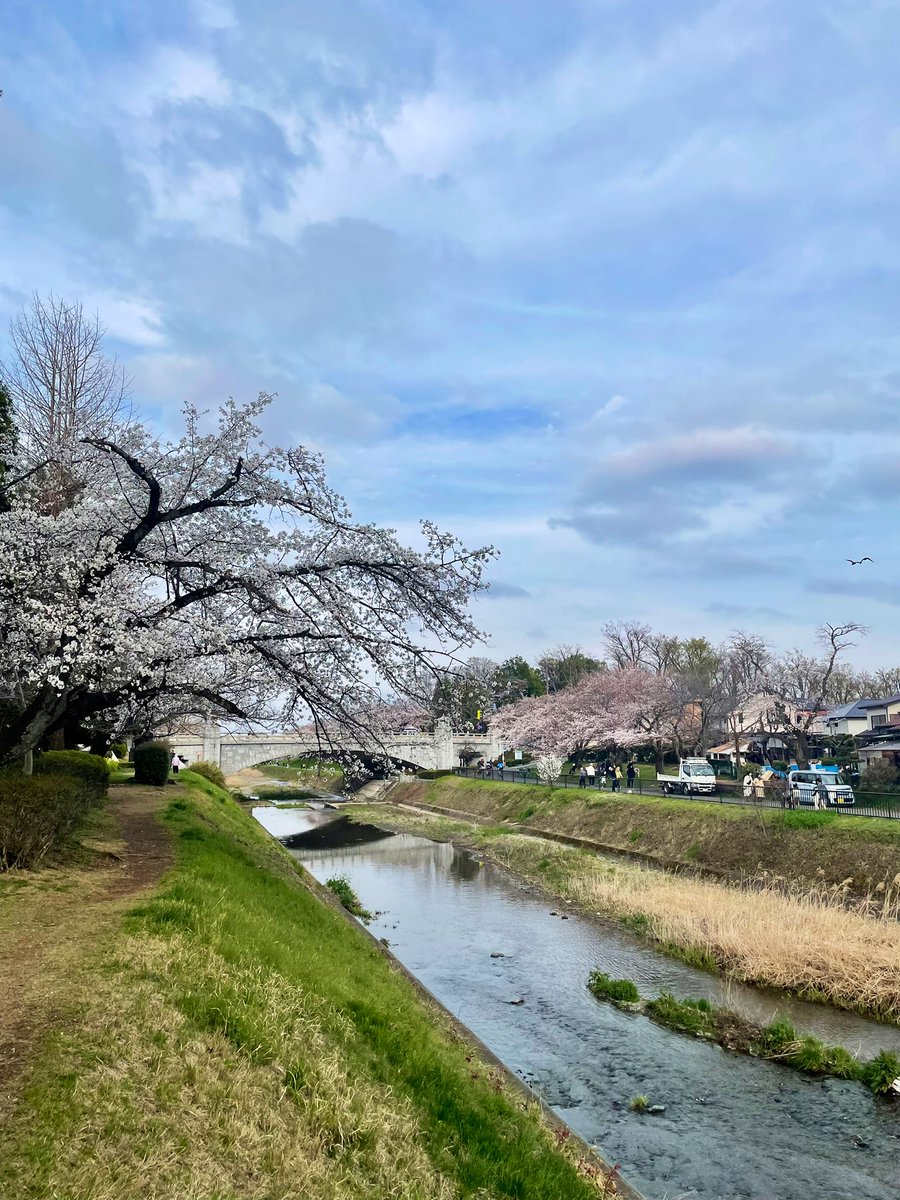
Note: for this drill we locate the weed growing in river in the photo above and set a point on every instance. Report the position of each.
(341, 886)
(619, 990)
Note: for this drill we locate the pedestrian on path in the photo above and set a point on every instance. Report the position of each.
(582, 777)
(630, 775)
(591, 774)
(614, 776)
(176, 764)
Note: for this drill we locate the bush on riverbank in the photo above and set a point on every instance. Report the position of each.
(152, 763)
(241, 1037)
(37, 813)
(91, 769)
(209, 771)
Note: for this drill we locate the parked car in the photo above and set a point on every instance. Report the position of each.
(820, 789)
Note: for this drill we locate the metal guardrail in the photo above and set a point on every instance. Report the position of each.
(867, 804)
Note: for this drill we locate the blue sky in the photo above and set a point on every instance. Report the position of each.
(610, 284)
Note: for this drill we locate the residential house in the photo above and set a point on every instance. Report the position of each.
(881, 713)
(881, 739)
(845, 720)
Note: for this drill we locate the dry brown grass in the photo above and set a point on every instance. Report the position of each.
(170, 1112)
(804, 942)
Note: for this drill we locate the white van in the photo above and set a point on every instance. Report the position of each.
(820, 789)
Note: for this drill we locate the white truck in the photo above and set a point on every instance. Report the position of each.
(695, 775)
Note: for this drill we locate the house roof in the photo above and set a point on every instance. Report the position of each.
(879, 746)
(847, 712)
(895, 699)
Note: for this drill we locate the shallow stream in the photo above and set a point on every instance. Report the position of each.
(733, 1126)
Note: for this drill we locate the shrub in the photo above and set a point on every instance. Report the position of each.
(342, 888)
(152, 761)
(90, 768)
(120, 750)
(617, 990)
(432, 774)
(37, 812)
(209, 771)
(881, 1072)
(879, 776)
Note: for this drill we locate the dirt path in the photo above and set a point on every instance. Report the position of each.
(51, 919)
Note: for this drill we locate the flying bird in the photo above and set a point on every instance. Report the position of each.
(854, 562)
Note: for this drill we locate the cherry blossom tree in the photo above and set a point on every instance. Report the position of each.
(606, 709)
(220, 576)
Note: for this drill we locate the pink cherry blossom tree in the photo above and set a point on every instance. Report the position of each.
(607, 709)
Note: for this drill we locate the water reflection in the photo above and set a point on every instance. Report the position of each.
(733, 1127)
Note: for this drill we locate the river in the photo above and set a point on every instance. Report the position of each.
(734, 1127)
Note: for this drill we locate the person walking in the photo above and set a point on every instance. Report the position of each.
(591, 774)
(582, 777)
(176, 764)
(619, 777)
(613, 777)
(748, 786)
(630, 775)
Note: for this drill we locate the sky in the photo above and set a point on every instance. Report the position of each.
(609, 284)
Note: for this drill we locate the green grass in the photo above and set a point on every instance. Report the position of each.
(343, 889)
(617, 990)
(242, 1038)
(307, 772)
(778, 1041)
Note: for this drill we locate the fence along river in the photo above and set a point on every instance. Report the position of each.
(733, 1126)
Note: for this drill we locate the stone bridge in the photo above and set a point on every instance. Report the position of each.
(438, 751)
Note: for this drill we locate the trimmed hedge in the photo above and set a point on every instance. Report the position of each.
(91, 769)
(209, 771)
(37, 812)
(152, 762)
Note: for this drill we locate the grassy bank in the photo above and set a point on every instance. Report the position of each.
(808, 943)
(858, 854)
(306, 773)
(234, 1036)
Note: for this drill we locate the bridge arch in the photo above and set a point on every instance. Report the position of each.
(438, 751)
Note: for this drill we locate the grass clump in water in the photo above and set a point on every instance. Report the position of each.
(343, 889)
(778, 1042)
(684, 1016)
(881, 1072)
(619, 991)
(638, 1104)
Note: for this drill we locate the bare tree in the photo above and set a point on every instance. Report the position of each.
(565, 666)
(802, 686)
(63, 388)
(745, 659)
(627, 643)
